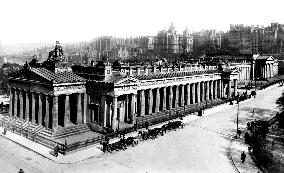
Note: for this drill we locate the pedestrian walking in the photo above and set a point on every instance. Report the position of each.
(107, 139)
(56, 150)
(104, 146)
(146, 125)
(239, 132)
(243, 157)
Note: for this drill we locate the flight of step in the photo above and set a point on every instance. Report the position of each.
(19, 124)
(71, 130)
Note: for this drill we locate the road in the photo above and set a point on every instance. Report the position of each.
(202, 146)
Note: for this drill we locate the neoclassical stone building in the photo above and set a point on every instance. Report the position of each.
(55, 100)
(249, 66)
(116, 98)
(47, 98)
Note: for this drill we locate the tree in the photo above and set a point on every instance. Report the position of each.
(4, 75)
(280, 102)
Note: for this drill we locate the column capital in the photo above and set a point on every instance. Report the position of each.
(39, 93)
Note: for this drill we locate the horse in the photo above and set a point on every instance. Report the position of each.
(159, 130)
(143, 134)
(174, 125)
(165, 127)
(152, 133)
(132, 141)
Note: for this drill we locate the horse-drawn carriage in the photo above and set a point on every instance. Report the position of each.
(119, 145)
(123, 143)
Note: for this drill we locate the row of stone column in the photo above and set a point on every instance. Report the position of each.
(245, 73)
(130, 110)
(267, 71)
(166, 98)
(23, 105)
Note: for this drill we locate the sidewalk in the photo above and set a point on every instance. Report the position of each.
(237, 146)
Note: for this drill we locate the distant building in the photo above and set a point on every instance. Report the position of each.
(255, 39)
(240, 38)
(186, 42)
(206, 40)
(168, 42)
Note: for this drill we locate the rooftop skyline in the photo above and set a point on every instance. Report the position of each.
(71, 21)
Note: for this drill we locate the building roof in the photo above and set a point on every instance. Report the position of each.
(175, 74)
(114, 78)
(63, 77)
(263, 57)
(43, 75)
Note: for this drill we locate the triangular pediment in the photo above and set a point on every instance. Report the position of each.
(270, 58)
(235, 70)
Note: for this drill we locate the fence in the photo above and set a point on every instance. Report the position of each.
(272, 83)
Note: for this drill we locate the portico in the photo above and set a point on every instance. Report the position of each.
(44, 100)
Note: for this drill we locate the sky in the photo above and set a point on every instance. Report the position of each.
(32, 21)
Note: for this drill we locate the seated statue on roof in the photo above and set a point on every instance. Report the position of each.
(57, 53)
(223, 65)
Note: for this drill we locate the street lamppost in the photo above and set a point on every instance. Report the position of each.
(206, 94)
(255, 83)
(176, 109)
(238, 101)
(184, 108)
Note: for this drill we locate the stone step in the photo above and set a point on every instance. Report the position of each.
(46, 133)
(71, 130)
(12, 120)
(5, 119)
(141, 120)
(25, 125)
(31, 127)
(38, 129)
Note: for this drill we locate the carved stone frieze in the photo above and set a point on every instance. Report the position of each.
(69, 87)
(126, 88)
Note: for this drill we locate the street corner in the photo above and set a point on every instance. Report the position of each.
(241, 158)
